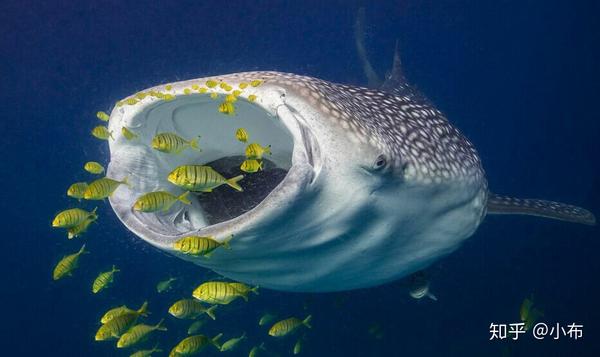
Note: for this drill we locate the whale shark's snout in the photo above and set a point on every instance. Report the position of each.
(361, 187)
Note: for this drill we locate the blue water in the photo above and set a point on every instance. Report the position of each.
(520, 79)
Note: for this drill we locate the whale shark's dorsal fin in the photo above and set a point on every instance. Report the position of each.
(395, 82)
(497, 204)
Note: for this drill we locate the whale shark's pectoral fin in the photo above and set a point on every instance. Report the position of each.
(497, 204)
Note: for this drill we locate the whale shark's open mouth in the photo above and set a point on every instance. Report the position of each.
(223, 211)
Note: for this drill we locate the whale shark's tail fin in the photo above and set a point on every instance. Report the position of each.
(497, 204)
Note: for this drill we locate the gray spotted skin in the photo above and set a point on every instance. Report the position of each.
(422, 142)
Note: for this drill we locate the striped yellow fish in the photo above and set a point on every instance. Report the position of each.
(190, 309)
(266, 319)
(102, 188)
(101, 132)
(102, 116)
(128, 134)
(77, 189)
(218, 292)
(242, 135)
(256, 152)
(146, 353)
(211, 84)
(104, 279)
(227, 108)
(139, 333)
(81, 228)
(93, 167)
(288, 326)
(255, 350)
(194, 344)
(172, 143)
(159, 201)
(251, 166)
(195, 245)
(201, 178)
(72, 217)
(256, 83)
(243, 85)
(114, 312)
(251, 98)
(243, 288)
(117, 326)
(67, 264)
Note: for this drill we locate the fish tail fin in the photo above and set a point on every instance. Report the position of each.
(215, 341)
(183, 198)
(159, 326)
(432, 297)
(82, 250)
(226, 242)
(155, 348)
(93, 213)
(111, 135)
(262, 346)
(233, 183)
(268, 149)
(261, 166)
(497, 204)
(114, 269)
(243, 336)
(194, 143)
(307, 320)
(143, 310)
(211, 312)
(125, 181)
(255, 290)
(244, 295)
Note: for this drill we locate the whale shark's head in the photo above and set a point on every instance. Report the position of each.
(361, 186)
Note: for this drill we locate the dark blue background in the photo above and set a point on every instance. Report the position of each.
(519, 78)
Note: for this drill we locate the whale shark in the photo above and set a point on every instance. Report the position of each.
(363, 187)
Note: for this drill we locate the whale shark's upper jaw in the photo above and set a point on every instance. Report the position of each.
(291, 169)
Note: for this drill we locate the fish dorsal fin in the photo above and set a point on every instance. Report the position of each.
(497, 204)
(395, 79)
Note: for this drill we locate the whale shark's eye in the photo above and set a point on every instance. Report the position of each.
(380, 162)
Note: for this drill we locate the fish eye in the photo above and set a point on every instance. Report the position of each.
(380, 162)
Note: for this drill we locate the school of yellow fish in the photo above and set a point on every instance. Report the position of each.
(124, 324)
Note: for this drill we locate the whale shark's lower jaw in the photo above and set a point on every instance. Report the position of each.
(304, 223)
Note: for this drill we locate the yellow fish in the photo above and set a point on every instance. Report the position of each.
(243, 85)
(266, 319)
(101, 132)
(146, 353)
(287, 326)
(139, 333)
(230, 98)
(190, 309)
(104, 280)
(194, 344)
(243, 288)
(231, 344)
(195, 326)
(172, 143)
(218, 292)
(159, 201)
(211, 84)
(72, 217)
(254, 351)
(117, 326)
(251, 166)
(298, 346)
(214, 95)
(80, 228)
(256, 152)
(256, 83)
(93, 167)
(242, 135)
(102, 188)
(67, 264)
(201, 178)
(195, 245)
(251, 98)
(77, 189)
(165, 285)
(114, 312)
(227, 108)
(102, 116)
(128, 134)
(529, 314)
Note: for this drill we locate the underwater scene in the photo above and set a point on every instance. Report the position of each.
(300, 178)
